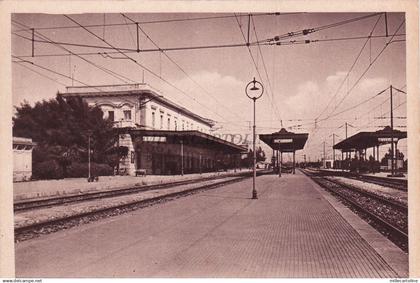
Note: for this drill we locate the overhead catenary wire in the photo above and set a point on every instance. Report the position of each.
(364, 72)
(253, 59)
(308, 41)
(21, 63)
(351, 68)
(132, 50)
(162, 21)
(394, 108)
(180, 48)
(371, 109)
(265, 69)
(360, 103)
(177, 64)
(354, 106)
(106, 70)
(119, 52)
(360, 117)
(142, 66)
(184, 48)
(308, 31)
(379, 105)
(52, 71)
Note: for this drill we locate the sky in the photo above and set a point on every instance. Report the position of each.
(302, 82)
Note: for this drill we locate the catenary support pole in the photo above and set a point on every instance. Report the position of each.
(182, 158)
(281, 162)
(392, 134)
(294, 162)
(89, 176)
(138, 40)
(33, 42)
(254, 191)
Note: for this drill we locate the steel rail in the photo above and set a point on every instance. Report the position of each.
(38, 226)
(395, 184)
(400, 206)
(391, 183)
(54, 201)
(402, 235)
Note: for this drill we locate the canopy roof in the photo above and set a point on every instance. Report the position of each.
(195, 138)
(284, 141)
(364, 140)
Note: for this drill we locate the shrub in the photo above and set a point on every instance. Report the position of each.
(47, 170)
(77, 170)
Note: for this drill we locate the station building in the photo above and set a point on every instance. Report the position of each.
(162, 137)
(22, 159)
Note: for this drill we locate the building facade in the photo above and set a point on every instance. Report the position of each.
(162, 137)
(22, 159)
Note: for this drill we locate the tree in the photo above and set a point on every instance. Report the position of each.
(248, 160)
(61, 129)
(398, 156)
(260, 154)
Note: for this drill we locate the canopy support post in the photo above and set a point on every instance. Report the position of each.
(294, 162)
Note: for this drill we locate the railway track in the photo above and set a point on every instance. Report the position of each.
(397, 184)
(391, 183)
(60, 200)
(388, 216)
(51, 225)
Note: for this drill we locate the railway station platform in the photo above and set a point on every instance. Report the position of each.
(71, 186)
(294, 229)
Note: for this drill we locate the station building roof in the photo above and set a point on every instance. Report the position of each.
(23, 141)
(195, 138)
(364, 140)
(138, 89)
(284, 140)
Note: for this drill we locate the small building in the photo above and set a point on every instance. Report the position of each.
(284, 141)
(22, 159)
(162, 137)
(327, 164)
(357, 146)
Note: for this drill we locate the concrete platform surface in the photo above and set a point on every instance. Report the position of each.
(292, 230)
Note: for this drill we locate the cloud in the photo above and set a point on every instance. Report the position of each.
(373, 84)
(336, 79)
(210, 94)
(305, 102)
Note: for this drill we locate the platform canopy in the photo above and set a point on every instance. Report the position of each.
(363, 140)
(284, 141)
(195, 138)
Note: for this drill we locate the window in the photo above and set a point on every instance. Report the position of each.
(153, 120)
(169, 123)
(133, 154)
(176, 125)
(161, 121)
(111, 116)
(127, 115)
